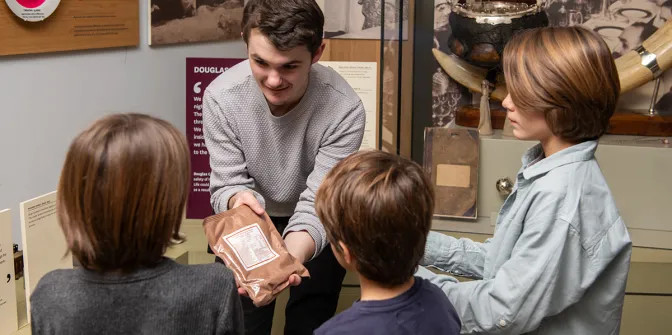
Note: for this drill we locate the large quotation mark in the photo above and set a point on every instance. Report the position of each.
(197, 87)
(9, 277)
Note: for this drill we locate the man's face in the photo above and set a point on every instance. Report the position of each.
(281, 75)
(629, 39)
(441, 15)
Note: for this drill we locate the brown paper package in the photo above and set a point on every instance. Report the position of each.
(253, 249)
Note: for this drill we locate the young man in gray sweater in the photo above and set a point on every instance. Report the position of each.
(274, 125)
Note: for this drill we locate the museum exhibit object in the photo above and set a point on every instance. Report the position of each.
(480, 31)
(451, 160)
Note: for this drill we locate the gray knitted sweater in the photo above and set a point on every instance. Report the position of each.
(281, 159)
(168, 299)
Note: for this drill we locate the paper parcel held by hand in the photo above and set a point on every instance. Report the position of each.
(253, 249)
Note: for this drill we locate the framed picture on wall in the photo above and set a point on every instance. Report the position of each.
(361, 19)
(190, 21)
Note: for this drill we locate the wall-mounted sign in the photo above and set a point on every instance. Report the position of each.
(33, 10)
(75, 25)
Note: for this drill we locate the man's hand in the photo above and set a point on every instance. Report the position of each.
(301, 246)
(294, 280)
(246, 198)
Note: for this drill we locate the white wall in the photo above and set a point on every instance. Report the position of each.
(46, 99)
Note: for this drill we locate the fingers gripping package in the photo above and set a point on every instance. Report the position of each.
(253, 249)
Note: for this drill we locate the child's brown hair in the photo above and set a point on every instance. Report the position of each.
(566, 73)
(123, 191)
(380, 206)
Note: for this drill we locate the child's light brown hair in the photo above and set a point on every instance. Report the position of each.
(380, 206)
(566, 73)
(123, 191)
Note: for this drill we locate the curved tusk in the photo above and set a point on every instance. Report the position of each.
(635, 68)
(648, 61)
(467, 75)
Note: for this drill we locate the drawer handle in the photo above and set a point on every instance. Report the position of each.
(504, 186)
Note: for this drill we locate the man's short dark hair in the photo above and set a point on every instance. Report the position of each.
(380, 206)
(286, 23)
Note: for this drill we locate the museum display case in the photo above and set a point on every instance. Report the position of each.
(451, 60)
(635, 166)
(380, 31)
(397, 76)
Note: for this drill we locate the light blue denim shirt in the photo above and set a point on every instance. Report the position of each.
(558, 261)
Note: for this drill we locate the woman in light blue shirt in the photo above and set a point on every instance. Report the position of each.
(559, 259)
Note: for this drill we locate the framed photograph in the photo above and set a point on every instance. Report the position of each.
(190, 21)
(362, 19)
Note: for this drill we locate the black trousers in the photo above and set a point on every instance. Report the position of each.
(310, 304)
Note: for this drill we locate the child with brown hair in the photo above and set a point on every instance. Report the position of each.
(121, 198)
(559, 259)
(376, 208)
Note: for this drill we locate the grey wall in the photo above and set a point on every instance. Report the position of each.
(46, 99)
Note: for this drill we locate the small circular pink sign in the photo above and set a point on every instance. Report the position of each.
(30, 3)
(33, 10)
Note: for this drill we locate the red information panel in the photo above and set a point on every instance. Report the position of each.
(200, 73)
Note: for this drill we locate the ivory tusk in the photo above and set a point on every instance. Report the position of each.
(635, 68)
(655, 52)
(467, 75)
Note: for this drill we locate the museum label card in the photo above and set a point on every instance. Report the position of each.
(9, 317)
(44, 246)
(362, 77)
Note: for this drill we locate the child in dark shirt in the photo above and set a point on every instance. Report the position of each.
(376, 208)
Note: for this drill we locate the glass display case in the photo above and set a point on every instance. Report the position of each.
(451, 28)
(397, 76)
(380, 32)
(635, 155)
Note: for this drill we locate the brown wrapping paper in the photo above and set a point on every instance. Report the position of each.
(253, 249)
